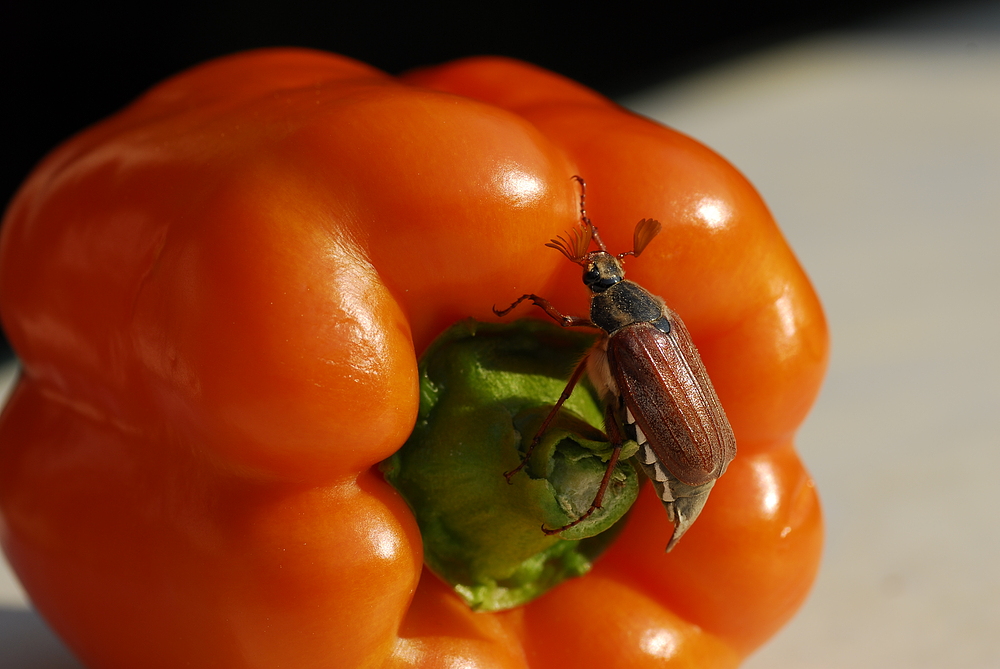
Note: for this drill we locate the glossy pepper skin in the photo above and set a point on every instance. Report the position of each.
(219, 295)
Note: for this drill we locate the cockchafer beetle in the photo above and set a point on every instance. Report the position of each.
(650, 377)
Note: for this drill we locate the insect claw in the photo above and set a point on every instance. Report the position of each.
(509, 475)
(587, 514)
(549, 531)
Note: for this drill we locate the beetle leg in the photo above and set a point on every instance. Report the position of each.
(555, 314)
(617, 438)
(567, 391)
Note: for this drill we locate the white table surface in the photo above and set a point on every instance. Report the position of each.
(879, 153)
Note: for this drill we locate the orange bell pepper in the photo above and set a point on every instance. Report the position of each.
(218, 296)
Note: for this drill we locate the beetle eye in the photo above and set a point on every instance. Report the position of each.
(591, 276)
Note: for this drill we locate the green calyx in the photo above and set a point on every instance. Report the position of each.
(485, 390)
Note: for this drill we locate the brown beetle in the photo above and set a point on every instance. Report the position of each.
(651, 379)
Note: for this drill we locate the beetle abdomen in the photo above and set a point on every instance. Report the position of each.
(667, 390)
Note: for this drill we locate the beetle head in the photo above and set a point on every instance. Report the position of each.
(601, 270)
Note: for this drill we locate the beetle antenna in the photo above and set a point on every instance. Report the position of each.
(584, 220)
(575, 247)
(645, 230)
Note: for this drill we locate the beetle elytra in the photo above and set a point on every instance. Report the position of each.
(650, 377)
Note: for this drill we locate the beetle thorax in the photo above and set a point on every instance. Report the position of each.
(601, 270)
(622, 304)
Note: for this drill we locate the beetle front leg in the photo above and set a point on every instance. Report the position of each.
(545, 305)
(617, 439)
(567, 391)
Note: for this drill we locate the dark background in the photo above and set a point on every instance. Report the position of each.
(65, 67)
